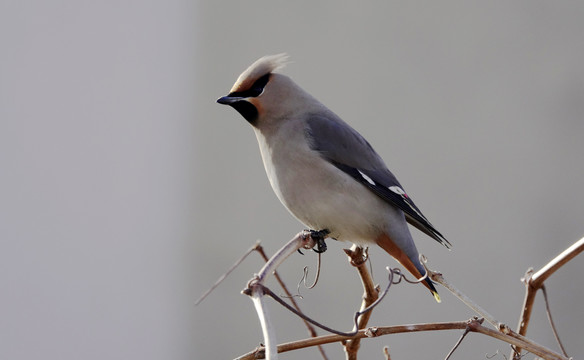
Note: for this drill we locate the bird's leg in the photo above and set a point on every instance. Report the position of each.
(318, 236)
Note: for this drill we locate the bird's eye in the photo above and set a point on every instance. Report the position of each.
(258, 86)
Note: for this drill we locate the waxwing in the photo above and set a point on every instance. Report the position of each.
(323, 171)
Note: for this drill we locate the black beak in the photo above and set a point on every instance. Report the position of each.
(240, 103)
(228, 100)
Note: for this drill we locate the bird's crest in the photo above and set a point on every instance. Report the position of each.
(261, 67)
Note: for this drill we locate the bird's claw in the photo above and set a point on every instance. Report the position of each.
(318, 236)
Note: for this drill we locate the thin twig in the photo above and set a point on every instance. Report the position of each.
(386, 353)
(439, 278)
(466, 331)
(495, 354)
(549, 315)
(235, 265)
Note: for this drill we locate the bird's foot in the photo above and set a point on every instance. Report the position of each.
(318, 236)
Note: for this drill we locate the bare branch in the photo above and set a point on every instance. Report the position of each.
(520, 342)
(534, 281)
(473, 324)
(256, 286)
(257, 290)
(358, 258)
(503, 329)
(539, 277)
(364, 333)
(267, 328)
(301, 240)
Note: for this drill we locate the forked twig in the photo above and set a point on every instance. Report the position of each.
(258, 247)
(466, 331)
(501, 327)
(534, 281)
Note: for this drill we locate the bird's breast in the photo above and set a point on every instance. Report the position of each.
(316, 192)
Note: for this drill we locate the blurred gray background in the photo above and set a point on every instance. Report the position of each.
(126, 191)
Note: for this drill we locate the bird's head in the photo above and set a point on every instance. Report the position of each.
(262, 95)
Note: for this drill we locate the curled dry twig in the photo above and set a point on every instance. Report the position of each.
(266, 291)
(305, 276)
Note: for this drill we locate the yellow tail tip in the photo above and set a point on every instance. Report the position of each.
(436, 296)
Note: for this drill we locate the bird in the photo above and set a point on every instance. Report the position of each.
(323, 171)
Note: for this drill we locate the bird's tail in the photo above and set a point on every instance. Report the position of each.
(415, 268)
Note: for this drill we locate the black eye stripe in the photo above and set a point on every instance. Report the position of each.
(256, 89)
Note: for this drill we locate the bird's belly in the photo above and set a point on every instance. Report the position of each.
(327, 198)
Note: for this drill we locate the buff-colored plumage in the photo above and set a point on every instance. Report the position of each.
(264, 65)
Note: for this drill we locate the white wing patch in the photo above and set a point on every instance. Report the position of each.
(401, 192)
(394, 189)
(367, 178)
(397, 190)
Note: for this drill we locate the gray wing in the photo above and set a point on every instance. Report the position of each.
(345, 148)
